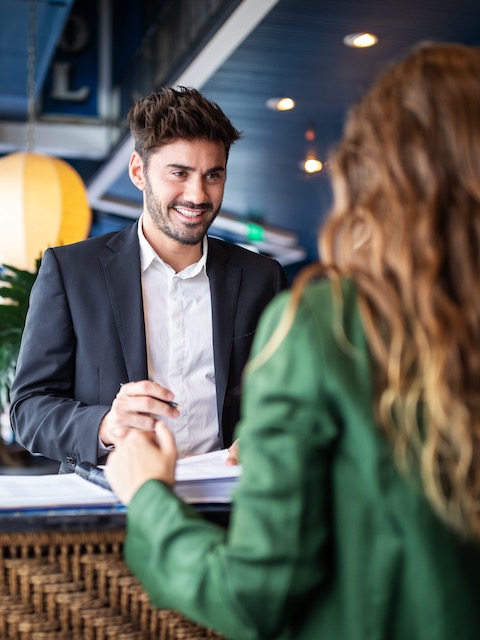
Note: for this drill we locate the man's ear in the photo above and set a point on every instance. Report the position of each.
(135, 171)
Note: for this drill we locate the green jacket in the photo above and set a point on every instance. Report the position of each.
(326, 539)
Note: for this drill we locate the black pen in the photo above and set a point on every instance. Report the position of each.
(90, 472)
(170, 403)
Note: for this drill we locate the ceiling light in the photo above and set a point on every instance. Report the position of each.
(280, 104)
(312, 164)
(310, 134)
(360, 40)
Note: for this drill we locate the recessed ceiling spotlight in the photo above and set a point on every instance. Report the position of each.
(360, 40)
(312, 164)
(280, 104)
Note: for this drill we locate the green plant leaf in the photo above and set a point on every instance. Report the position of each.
(15, 287)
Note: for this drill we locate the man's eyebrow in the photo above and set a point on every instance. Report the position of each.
(179, 166)
(174, 165)
(219, 168)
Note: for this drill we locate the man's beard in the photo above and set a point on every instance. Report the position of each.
(185, 234)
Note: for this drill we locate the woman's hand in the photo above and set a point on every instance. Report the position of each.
(140, 456)
(234, 453)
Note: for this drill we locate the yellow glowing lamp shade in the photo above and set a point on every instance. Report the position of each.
(43, 204)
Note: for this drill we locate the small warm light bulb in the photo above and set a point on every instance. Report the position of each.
(285, 104)
(312, 165)
(281, 104)
(360, 40)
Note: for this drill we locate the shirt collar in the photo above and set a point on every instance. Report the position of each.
(148, 254)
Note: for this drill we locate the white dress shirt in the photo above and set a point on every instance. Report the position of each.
(178, 327)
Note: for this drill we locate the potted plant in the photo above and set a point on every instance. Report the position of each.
(15, 287)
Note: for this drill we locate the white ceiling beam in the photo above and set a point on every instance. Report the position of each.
(221, 46)
(84, 140)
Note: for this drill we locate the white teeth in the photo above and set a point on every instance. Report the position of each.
(188, 213)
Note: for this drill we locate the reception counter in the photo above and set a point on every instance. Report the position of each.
(62, 576)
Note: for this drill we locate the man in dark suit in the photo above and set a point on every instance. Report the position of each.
(154, 321)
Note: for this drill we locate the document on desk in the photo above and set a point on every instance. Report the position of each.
(206, 466)
(51, 492)
(199, 479)
(206, 478)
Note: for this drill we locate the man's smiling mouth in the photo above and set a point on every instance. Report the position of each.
(189, 213)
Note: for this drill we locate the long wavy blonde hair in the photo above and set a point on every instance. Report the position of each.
(405, 225)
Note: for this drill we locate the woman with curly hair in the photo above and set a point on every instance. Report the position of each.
(358, 512)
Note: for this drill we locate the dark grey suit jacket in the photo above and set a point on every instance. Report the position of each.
(85, 335)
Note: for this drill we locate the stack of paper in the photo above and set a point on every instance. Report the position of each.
(206, 478)
(199, 479)
(51, 491)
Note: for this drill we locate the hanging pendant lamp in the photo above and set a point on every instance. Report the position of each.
(44, 204)
(44, 201)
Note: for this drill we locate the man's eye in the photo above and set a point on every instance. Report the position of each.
(214, 176)
(179, 174)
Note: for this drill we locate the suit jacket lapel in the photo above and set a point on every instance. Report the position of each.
(122, 272)
(224, 286)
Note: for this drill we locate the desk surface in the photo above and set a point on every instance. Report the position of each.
(91, 518)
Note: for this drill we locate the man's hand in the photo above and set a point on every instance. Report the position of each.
(140, 456)
(137, 405)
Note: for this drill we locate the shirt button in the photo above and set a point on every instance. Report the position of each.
(71, 461)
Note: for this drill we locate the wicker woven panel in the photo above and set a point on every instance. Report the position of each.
(76, 586)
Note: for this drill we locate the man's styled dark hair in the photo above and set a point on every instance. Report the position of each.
(178, 114)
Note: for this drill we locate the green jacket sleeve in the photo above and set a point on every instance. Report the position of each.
(257, 579)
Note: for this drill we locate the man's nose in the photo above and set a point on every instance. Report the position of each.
(195, 191)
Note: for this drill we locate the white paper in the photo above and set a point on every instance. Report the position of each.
(64, 490)
(206, 466)
(199, 479)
